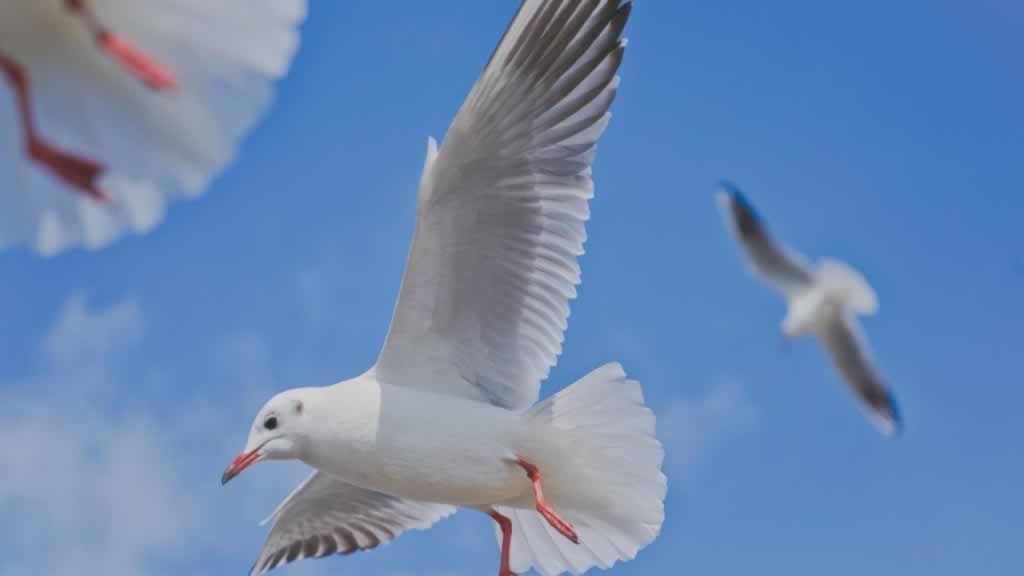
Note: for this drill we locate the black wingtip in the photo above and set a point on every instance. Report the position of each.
(895, 415)
(737, 196)
(743, 213)
(730, 188)
(626, 8)
(885, 411)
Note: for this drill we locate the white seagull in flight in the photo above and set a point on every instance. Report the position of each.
(823, 301)
(113, 106)
(448, 417)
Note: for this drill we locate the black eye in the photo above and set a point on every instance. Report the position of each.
(270, 423)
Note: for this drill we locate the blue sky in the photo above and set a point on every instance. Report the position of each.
(885, 134)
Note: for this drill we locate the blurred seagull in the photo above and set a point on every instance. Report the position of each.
(448, 417)
(823, 301)
(114, 105)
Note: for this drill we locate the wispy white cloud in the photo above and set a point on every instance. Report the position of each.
(84, 489)
(688, 427)
(75, 355)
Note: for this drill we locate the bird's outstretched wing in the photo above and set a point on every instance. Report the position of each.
(781, 268)
(485, 298)
(326, 516)
(842, 338)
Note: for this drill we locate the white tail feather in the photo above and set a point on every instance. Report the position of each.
(156, 146)
(610, 488)
(838, 278)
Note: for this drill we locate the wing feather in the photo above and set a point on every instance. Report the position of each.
(485, 298)
(849, 353)
(783, 269)
(325, 516)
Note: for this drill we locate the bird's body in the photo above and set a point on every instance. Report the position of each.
(809, 312)
(417, 444)
(821, 301)
(109, 108)
(394, 457)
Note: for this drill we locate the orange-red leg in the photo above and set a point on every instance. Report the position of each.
(151, 72)
(82, 174)
(563, 527)
(506, 543)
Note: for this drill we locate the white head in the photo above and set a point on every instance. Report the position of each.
(279, 432)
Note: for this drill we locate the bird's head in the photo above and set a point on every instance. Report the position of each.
(277, 433)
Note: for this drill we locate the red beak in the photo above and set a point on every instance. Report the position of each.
(239, 464)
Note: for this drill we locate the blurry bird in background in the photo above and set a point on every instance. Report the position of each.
(823, 301)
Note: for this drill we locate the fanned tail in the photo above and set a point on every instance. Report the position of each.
(611, 488)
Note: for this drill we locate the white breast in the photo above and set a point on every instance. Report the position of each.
(807, 311)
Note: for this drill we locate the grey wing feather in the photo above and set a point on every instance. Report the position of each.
(844, 343)
(484, 303)
(786, 271)
(327, 516)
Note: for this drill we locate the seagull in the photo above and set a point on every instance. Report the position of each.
(823, 300)
(448, 416)
(110, 107)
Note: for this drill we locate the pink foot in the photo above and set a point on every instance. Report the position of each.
(563, 527)
(82, 174)
(506, 543)
(153, 74)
